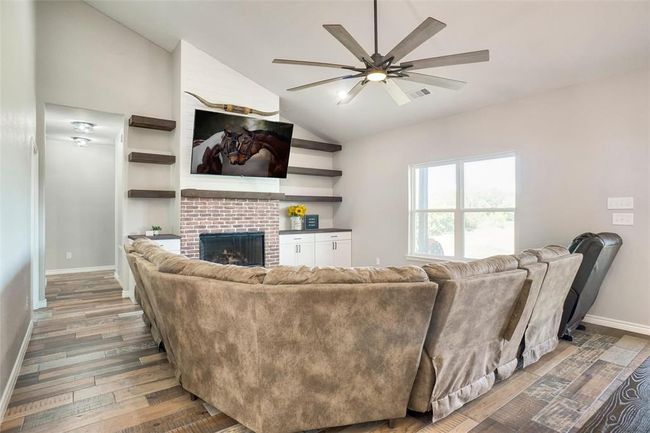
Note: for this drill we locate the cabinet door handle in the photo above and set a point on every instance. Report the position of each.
(296, 248)
(335, 246)
(299, 248)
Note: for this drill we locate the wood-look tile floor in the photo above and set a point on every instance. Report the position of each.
(91, 366)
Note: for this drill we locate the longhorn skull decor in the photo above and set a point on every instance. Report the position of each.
(231, 108)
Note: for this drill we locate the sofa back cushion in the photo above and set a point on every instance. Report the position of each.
(215, 271)
(525, 258)
(439, 272)
(152, 251)
(547, 253)
(472, 318)
(335, 275)
(542, 330)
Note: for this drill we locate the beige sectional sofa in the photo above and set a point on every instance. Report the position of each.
(290, 349)
(285, 349)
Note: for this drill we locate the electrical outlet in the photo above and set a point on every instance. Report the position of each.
(68, 255)
(623, 219)
(620, 203)
(377, 261)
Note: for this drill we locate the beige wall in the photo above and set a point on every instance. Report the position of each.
(575, 147)
(79, 205)
(17, 134)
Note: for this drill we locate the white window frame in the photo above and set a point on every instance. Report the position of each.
(459, 211)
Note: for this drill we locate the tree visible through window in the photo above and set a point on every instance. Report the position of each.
(463, 208)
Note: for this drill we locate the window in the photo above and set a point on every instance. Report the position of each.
(463, 208)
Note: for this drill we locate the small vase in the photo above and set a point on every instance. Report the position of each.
(296, 223)
(156, 232)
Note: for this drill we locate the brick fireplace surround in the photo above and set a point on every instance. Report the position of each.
(227, 215)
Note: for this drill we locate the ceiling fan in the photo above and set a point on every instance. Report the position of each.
(380, 68)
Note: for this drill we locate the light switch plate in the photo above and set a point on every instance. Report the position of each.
(620, 203)
(623, 219)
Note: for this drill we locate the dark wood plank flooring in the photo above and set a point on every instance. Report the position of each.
(627, 410)
(91, 366)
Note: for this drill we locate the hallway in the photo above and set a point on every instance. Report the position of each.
(91, 366)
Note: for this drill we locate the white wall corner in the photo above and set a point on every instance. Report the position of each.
(15, 372)
(39, 303)
(126, 293)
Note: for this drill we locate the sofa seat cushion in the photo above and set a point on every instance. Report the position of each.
(456, 270)
(335, 275)
(199, 268)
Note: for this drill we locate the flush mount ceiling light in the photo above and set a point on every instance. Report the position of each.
(81, 141)
(385, 68)
(84, 127)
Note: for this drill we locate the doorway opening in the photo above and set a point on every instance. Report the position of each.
(80, 189)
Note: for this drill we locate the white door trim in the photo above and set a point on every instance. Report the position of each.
(38, 299)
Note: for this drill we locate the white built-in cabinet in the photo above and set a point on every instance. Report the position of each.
(297, 250)
(316, 249)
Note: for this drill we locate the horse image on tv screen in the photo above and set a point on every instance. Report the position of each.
(232, 145)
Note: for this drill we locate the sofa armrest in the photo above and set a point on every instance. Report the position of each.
(518, 310)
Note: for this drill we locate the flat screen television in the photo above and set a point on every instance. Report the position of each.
(226, 144)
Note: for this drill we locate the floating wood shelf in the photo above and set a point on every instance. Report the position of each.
(160, 237)
(151, 193)
(315, 145)
(205, 193)
(151, 158)
(314, 171)
(313, 198)
(152, 123)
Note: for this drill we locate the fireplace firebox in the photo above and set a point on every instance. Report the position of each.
(243, 249)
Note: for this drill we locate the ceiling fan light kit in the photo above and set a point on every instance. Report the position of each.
(376, 75)
(385, 68)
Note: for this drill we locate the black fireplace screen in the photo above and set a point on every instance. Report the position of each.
(243, 249)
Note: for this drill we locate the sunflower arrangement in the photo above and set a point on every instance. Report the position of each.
(299, 210)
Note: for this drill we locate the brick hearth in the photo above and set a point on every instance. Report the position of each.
(224, 215)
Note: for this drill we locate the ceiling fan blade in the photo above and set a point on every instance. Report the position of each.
(318, 83)
(307, 63)
(353, 92)
(417, 37)
(396, 93)
(433, 81)
(344, 37)
(452, 59)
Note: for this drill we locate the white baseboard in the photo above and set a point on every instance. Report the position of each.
(79, 270)
(13, 377)
(41, 303)
(617, 324)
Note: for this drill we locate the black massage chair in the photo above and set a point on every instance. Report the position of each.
(598, 251)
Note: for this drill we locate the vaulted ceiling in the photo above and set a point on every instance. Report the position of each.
(534, 47)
